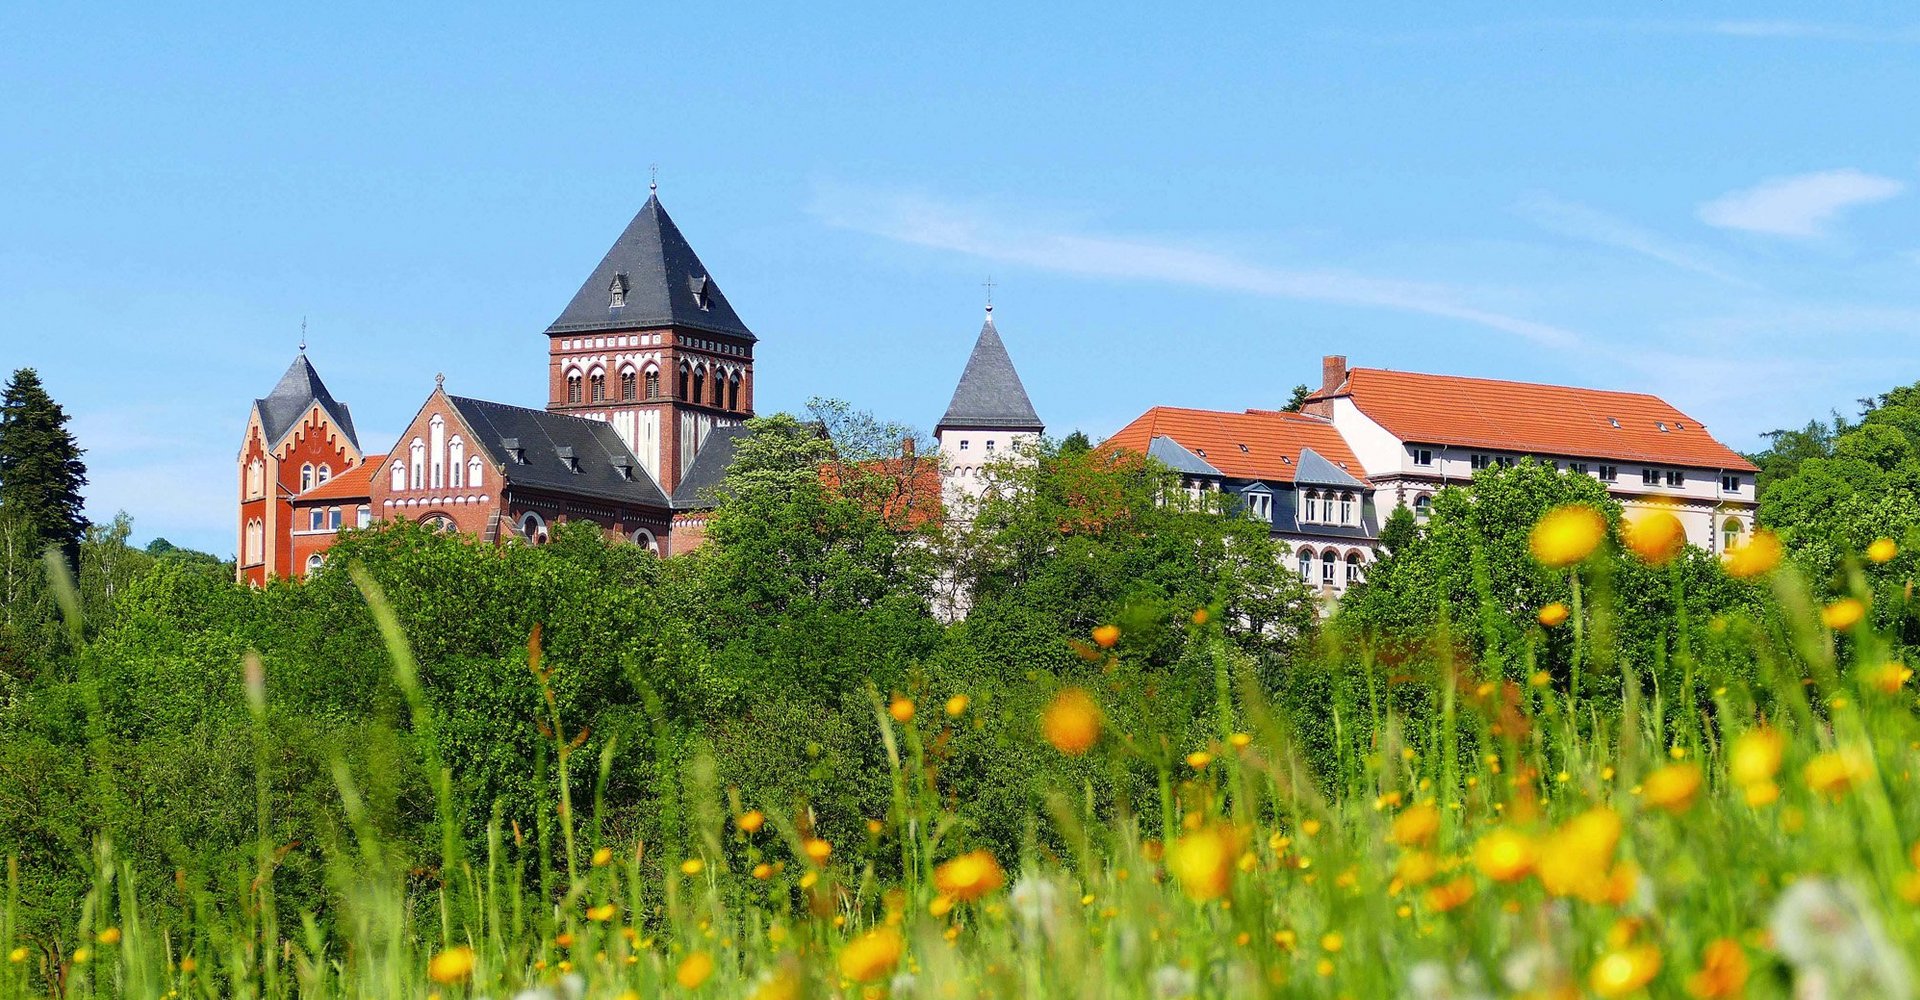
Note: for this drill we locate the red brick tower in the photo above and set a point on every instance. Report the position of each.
(297, 438)
(651, 346)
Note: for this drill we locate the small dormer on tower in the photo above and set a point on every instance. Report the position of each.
(988, 417)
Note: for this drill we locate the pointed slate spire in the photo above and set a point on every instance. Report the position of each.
(650, 278)
(298, 389)
(990, 394)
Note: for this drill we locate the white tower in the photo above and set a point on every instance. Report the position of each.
(989, 416)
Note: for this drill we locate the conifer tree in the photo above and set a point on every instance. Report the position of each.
(40, 469)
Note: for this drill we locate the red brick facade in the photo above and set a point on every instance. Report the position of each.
(271, 474)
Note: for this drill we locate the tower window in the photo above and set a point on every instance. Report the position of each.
(617, 293)
(653, 383)
(629, 384)
(573, 388)
(598, 383)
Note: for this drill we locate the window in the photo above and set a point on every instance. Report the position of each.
(306, 478)
(437, 449)
(1649, 477)
(325, 473)
(1676, 477)
(1609, 474)
(1577, 468)
(256, 479)
(653, 383)
(597, 386)
(963, 444)
(1354, 572)
(1479, 461)
(365, 517)
(417, 467)
(629, 385)
(473, 472)
(573, 388)
(1422, 506)
(439, 522)
(644, 538)
(532, 528)
(989, 444)
(316, 519)
(1730, 483)
(1346, 508)
(1327, 562)
(617, 292)
(686, 382)
(333, 518)
(399, 477)
(255, 541)
(699, 385)
(456, 462)
(733, 393)
(1423, 456)
(1730, 533)
(1310, 507)
(1504, 461)
(314, 562)
(1259, 504)
(1306, 565)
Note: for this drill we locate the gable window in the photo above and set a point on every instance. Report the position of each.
(399, 477)
(256, 479)
(1676, 477)
(1423, 456)
(1479, 461)
(1259, 504)
(1609, 474)
(1649, 477)
(473, 472)
(437, 436)
(456, 462)
(1730, 483)
(629, 385)
(306, 478)
(617, 292)
(325, 473)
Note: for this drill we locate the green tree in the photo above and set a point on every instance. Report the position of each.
(1297, 401)
(40, 469)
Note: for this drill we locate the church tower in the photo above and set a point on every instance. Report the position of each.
(651, 346)
(298, 437)
(989, 415)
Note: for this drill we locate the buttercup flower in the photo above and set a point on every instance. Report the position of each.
(1760, 553)
(901, 709)
(1843, 614)
(1416, 824)
(1566, 535)
(1624, 970)
(1203, 861)
(1882, 550)
(1837, 771)
(1072, 722)
(451, 966)
(1888, 678)
(1553, 615)
(957, 705)
(1723, 972)
(1656, 536)
(970, 876)
(1106, 635)
(1756, 756)
(1504, 855)
(693, 970)
(751, 821)
(871, 956)
(602, 856)
(1672, 787)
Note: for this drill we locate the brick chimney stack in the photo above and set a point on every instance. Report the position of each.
(1333, 373)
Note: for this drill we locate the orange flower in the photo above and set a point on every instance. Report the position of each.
(1450, 895)
(1416, 824)
(1656, 536)
(1673, 787)
(1200, 616)
(957, 705)
(1505, 855)
(1203, 861)
(751, 821)
(1072, 722)
(1566, 535)
(1888, 678)
(970, 876)
(1553, 615)
(694, 970)
(1624, 970)
(1759, 554)
(1106, 635)
(1843, 614)
(1574, 860)
(1723, 972)
(1835, 772)
(1882, 550)
(451, 966)
(901, 709)
(817, 850)
(871, 955)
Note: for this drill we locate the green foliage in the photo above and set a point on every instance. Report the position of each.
(40, 469)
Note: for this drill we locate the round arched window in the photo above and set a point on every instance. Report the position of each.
(533, 528)
(644, 538)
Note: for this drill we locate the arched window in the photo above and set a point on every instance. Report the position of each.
(1346, 508)
(399, 476)
(686, 382)
(653, 383)
(364, 517)
(1328, 560)
(306, 478)
(644, 538)
(438, 522)
(1310, 506)
(456, 462)
(629, 385)
(256, 479)
(325, 473)
(1306, 565)
(417, 454)
(314, 562)
(699, 385)
(573, 387)
(719, 388)
(1355, 572)
(533, 528)
(473, 472)
(254, 542)
(437, 449)
(1730, 533)
(1422, 506)
(597, 385)
(733, 392)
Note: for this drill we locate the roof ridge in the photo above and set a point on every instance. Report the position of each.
(1514, 381)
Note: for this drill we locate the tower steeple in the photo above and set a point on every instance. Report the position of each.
(988, 417)
(651, 345)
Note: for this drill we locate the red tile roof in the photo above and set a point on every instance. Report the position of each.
(354, 484)
(1257, 444)
(1544, 420)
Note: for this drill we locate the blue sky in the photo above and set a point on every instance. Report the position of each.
(1717, 204)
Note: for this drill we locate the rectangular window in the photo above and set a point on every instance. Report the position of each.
(1676, 477)
(1479, 461)
(1730, 484)
(1649, 477)
(1311, 512)
(1423, 456)
(1346, 510)
(333, 518)
(316, 519)
(365, 518)
(1504, 461)
(963, 444)
(1609, 473)
(1577, 468)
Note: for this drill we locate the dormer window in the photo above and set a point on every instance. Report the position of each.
(515, 454)
(1614, 422)
(702, 291)
(617, 292)
(568, 458)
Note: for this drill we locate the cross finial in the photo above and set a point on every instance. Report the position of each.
(988, 285)
(439, 380)
(303, 335)
(653, 178)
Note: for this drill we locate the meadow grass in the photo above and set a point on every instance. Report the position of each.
(1527, 838)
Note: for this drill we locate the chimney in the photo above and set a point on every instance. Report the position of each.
(1333, 373)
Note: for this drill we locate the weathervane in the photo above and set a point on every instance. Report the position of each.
(653, 178)
(303, 335)
(988, 285)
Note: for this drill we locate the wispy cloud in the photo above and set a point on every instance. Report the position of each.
(1812, 30)
(1802, 206)
(924, 221)
(1593, 225)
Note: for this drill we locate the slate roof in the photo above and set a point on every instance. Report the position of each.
(1317, 471)
(695, 490)
(1528, 417)
(666, 285)
(990, 394)
(298, 389)
(354, 484)
(545, 439)
(1170, 453)
(1256, 444)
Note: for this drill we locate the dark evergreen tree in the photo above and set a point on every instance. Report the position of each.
(1075, 443)
(1299, 399)
(40, 469)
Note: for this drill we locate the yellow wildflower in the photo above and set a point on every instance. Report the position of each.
(1239, 741)
(1888, 678)
(1203, 861)
(1837, 771)
(1504, 855)
(1573, 861)
(692, 866)
(1416, 824)
(602, 856)
(1759, 554)
(1723, 972)
(1199, 759)
(1656, 536)
(1072, 722)
(763, 871)
(451, 966)
(1624, 970)
(1673, 787)
(970, 876)
(1106, 635)
(110, 936)
(1882, 550)
(957, 705)
(1756, 755)
(901, 709)
(1566, 535)
(1843, 614)
(872, 955)
(817, 850)
(601, 913)
(694, 970)
(1449, 895)
(1553, 615)
(19, 954)
(751, 821)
